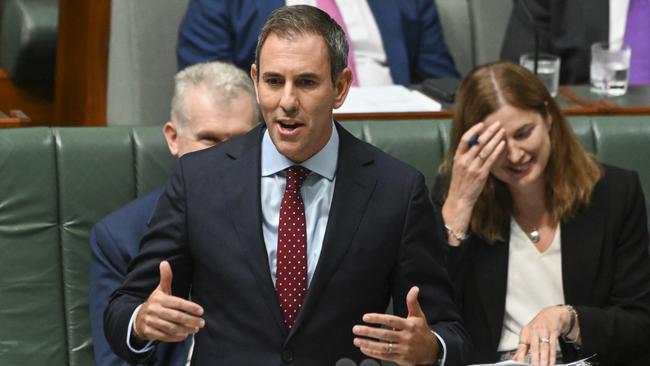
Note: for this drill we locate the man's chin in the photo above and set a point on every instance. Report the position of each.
(291, 150)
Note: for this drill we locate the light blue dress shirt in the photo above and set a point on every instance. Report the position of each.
(316, 191)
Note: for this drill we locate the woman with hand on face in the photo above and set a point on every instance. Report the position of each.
(548, 248)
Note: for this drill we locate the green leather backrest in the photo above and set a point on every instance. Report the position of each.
(33, 327)
(56, 183)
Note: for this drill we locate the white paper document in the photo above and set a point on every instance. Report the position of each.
(392, 98)
(582, 362)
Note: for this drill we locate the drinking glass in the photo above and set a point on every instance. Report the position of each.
(610, 65)
(548, 69)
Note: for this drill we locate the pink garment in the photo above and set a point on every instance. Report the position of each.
(330, 7)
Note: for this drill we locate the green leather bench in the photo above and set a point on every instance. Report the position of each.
(57, 182)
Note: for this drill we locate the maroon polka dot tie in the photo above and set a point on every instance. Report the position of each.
(291, 270)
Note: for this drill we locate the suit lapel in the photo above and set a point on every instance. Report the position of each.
(355, 183)
(245, 210)
(491, 270)
(582, 243)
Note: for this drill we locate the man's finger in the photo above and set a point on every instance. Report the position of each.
(171, 328)
(158, 335)
(412, 304)
(180, 304)
(165, 284)
(387, 320)
(180, 318)
(382, 334)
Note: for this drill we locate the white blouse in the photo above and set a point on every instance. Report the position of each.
(534, 282)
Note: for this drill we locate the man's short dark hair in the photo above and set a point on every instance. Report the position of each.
(291, 21)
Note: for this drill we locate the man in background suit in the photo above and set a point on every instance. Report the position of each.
(212, 102)
(410, 42)
(294, 257)
(568, 28)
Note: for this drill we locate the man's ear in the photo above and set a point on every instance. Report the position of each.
(171, 135)
(342, 86)
(254, 76)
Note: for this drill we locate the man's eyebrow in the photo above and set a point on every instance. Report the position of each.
(309, 75)
(271, 74)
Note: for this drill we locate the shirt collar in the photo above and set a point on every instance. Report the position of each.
(322, 163)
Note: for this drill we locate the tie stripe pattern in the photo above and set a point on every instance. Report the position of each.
(291, 270)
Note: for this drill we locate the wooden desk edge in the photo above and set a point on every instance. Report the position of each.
(13, 122)
(392, 115)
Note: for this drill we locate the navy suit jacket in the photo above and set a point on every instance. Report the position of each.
(605, 276)
(114, 241)
(379, 242)
(227, 30)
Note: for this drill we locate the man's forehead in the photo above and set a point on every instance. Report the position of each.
(292, 37)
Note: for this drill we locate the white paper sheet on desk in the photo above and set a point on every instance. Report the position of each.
(392, 98)
(582, 362)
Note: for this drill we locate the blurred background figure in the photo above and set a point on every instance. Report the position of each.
(212, 102)
(391, 42)
(568, 28)
(548, 247)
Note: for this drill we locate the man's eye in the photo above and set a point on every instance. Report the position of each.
(273, 81)
(307, 82)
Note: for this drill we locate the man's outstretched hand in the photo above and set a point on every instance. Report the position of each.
(407, 341)
(164, 317)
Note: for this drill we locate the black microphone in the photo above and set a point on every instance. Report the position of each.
(369, 362)
(535, 33)
(345, 362)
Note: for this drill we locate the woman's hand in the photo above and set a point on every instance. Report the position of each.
(477, 151)
(540, 336)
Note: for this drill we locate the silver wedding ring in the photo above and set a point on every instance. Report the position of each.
(481, 157)
(390, 347)
(544, 340)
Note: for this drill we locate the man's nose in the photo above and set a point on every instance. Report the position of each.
(289, 101)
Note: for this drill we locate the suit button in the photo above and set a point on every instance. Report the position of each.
(287, 355)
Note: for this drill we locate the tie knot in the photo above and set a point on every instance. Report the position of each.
(296, 177)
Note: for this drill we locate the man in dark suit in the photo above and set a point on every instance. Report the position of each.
(567, 28)
(294, 257)
(409, 31)
(212, 102)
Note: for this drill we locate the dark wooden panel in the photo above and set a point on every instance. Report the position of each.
(82, 62)
(35, 103)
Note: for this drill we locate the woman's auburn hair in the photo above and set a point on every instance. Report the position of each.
(571, 173)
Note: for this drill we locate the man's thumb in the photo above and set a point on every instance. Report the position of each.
(165, 284)
(412, 303)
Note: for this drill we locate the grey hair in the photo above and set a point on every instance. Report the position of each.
(224, 81)
(291, 21)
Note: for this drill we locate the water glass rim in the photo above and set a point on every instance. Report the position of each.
(542, 56)
(607, 46)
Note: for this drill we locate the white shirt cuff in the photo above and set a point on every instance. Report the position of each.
(444, 349)
(149, 346)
